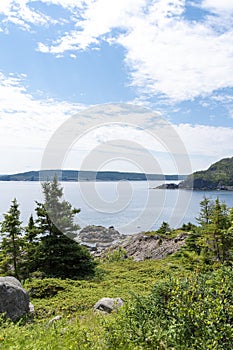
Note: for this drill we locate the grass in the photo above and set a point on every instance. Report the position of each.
(118, 279)
(81, 327)
(167, 304)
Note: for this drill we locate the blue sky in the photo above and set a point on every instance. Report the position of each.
(59, 57)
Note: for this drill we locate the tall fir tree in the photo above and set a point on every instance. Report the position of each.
(12, 241)
(31, 242)
(58, 255)
(216, 241)
(206, 209)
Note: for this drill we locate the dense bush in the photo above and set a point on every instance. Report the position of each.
(191, 313)
(45, 288)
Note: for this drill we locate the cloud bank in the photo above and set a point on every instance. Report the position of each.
(27, 124)
(168, 53)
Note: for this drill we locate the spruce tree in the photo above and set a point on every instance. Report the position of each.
(31, 231)
(57, 255)
(31, 242)
(12, 241)
(206, 209)
(217, 241)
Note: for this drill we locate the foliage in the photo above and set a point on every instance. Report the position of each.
(12, 242)
(189, 227)
(217, 176)
(164, 228)
(206, 211)
(63, 335)
(115, 255)
(56, 216)
(184, 313)
(80, 327)
(45, 288)
(46, 246)
(212, 241)
(57, 255)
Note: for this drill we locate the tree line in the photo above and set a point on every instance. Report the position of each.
(45, 246)
(212, 240)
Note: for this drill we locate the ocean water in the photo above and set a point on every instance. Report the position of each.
(128, 206)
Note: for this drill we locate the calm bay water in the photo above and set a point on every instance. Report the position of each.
(129, 207)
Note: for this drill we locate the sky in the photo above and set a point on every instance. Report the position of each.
(61, 58)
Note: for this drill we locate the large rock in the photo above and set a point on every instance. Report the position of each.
(171, 186)
(108, 304)
(98, 234)
(98, 238)
(14, 300)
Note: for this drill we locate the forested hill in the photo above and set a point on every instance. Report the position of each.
(219, 176)
(75, 175)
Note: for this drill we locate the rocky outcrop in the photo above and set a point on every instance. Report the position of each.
(141, 246)
(145, 246)
(97, 238)
(170, 186)
(14, 300)
(108, 304)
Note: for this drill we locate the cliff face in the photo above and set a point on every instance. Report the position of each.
(219, 176)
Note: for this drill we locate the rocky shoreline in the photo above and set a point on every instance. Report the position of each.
(180, 186)
(99, 238)
(102, 241)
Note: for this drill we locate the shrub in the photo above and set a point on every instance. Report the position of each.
(45, 288)
(189, 313)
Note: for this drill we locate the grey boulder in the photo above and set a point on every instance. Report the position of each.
(108, 304)
(14, 300)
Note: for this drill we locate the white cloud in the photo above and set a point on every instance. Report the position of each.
(26, 123)
(204, 144)
(99, 18)
(20, 13)
(165, 53)
(69, 4)
(223, 7)
(206, 141)
(5, 6)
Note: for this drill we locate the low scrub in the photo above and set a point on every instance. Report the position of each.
(189, 313)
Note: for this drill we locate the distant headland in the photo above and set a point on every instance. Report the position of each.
(76, 175)
(219, 176)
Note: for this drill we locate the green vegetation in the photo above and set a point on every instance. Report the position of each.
(12, 242)
(218, 176)
(184, 301)
(195, 312)
(46, 247)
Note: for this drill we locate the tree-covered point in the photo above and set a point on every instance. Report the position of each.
(218, 176)
(46, 246)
